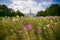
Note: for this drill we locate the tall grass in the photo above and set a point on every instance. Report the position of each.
(30, 28)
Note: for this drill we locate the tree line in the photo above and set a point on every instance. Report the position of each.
(5, 11)
(53, 10)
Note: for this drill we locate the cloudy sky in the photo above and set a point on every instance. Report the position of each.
(25, 5)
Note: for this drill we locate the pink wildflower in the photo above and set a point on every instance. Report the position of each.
(40, 31)
(27, 27)
(19, 31)
(51, 26)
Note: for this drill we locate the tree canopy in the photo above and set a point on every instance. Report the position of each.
(53, 10)
(5, 11)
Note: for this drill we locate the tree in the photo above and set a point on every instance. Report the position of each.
(53, 10)
(5, 11)
(19, 13)
(12, 12)
(40, 13)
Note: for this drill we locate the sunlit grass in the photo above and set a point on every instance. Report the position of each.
(30, 28)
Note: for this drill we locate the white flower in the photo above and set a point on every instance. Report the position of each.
(55, 23)
(48, 25)
(44, 27)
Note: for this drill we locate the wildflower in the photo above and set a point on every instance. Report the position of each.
(51, 21)
(17, 16)
(44, 27)
(27, 27)
(40, 31)
(5, 21)
(13, 19)
(51, 26)
(19, 31)
(21, 21)
(48, 25)
(56, 23)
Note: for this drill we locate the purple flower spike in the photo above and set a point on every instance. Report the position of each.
(40, 31)
(27, 27)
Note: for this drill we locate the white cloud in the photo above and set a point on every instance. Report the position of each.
(25, 5)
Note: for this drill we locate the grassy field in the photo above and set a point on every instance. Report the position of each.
(30, 28)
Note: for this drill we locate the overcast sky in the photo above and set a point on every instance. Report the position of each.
(25, 5)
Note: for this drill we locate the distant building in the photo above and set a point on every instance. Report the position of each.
(30, 14)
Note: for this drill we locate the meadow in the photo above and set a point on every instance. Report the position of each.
(30, 28)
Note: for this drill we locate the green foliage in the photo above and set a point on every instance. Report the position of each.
(53, 10)
(5, 11)
(19, 13)
(41, 13)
